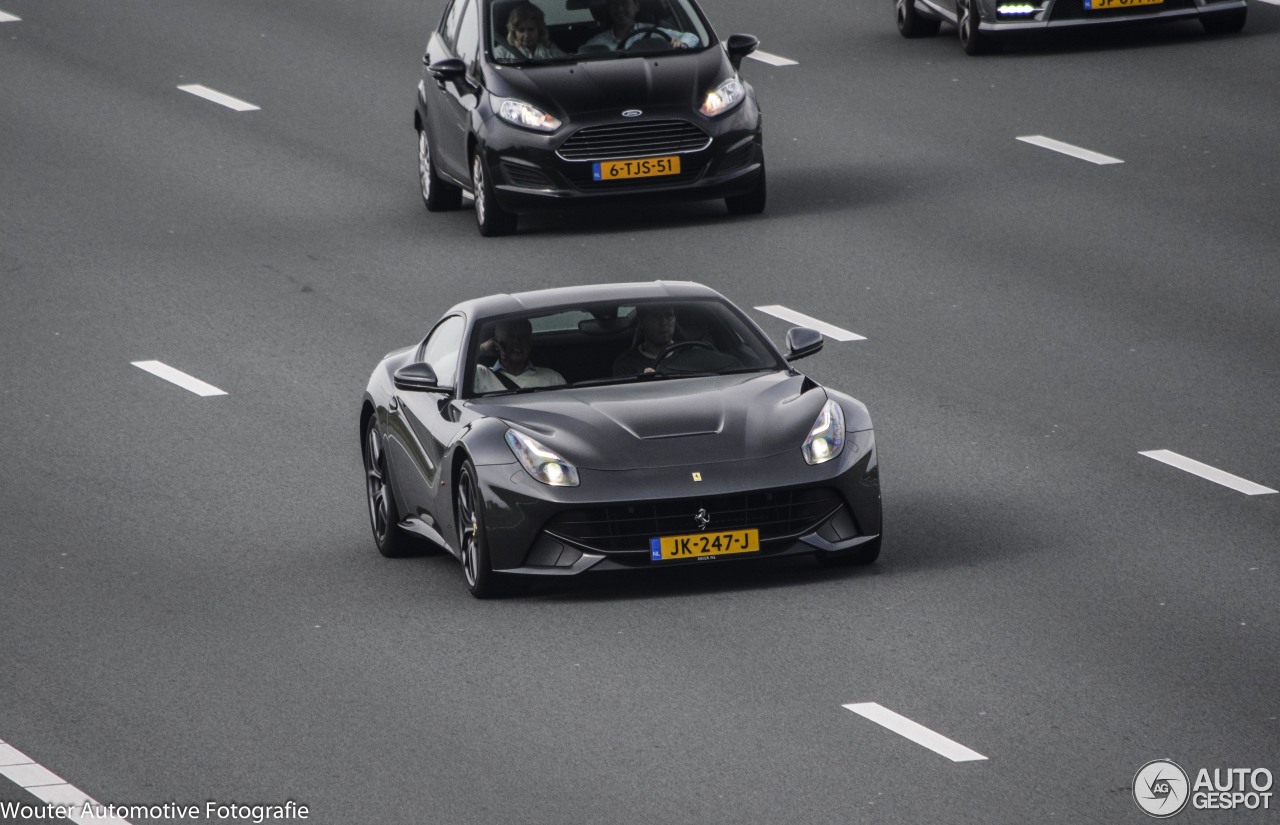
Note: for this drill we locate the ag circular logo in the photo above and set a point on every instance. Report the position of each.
(1161, 788)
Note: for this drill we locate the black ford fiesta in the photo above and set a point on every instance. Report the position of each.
(526, 104)
(613, 427)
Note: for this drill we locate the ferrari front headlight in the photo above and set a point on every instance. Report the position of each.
(724, 97)
(826, 437)
(542, 463)
(527, 115)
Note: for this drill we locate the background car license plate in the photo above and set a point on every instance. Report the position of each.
(1095, 5)
(643, 168)
(701, 545)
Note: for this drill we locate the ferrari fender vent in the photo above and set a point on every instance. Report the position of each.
(634, 140)
(628, 527)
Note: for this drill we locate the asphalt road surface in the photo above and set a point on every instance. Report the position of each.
(191, 606)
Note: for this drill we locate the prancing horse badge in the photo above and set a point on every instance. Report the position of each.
(697, 476)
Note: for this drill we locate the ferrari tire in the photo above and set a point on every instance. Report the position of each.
(473, 542)
(751, 203)
(911, 23)
(491, 219)
(438, 195)
(384, 515)
(859, 556)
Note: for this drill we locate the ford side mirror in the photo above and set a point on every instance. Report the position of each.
(451, 68)
(739, 46)
(802, 342)
(416, 377)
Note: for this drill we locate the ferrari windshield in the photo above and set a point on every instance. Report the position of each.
(614, 343)
(523, 32)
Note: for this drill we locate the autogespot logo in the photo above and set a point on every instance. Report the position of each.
(1161, 788)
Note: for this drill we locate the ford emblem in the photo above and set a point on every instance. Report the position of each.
(632, 113)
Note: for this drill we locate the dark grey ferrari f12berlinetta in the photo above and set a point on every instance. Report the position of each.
(613, 427)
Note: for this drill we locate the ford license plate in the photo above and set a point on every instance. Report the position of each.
(704, 545)
(642, 168)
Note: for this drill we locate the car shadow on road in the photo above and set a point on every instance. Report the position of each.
(793, 192)
(698, 580)
(955, 527)
(1134, 37)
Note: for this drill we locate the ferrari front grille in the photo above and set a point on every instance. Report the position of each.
(628, 527)
(634, 140)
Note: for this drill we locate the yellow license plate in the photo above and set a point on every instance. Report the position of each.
(642, 168)
(1096, 5)
(704, 545)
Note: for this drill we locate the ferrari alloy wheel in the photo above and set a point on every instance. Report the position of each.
(436, 194)
(472, 542)
(911, 23)
(491, 218)
(752, 203)
(384, 516)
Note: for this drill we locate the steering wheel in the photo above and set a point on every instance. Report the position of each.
(640, 34)
(679, 346)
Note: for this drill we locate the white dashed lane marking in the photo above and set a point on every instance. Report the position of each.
(48, 787)
(826, 329)
(1206, 472)
(772, 59)
(178, 377)
(916, 732)
(218, 97)
(1067, 149)
(5, 17)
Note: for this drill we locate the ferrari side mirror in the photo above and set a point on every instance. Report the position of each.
(802, 342)
(416, 377)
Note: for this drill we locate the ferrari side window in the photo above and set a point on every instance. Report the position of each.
(441, 350)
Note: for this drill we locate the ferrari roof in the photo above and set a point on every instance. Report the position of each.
(569, 296)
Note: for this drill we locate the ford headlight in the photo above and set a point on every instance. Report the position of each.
(527, 115)
(543, 464)
(723, 98)
(826, 437)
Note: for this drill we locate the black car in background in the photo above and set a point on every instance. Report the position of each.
(719, 451)
(983, 25)
(659, 112)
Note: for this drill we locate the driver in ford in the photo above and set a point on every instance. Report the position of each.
(625, 32)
